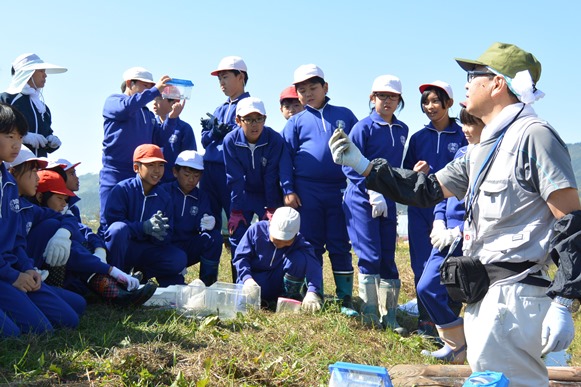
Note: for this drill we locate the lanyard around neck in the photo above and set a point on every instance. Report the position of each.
(474, 190)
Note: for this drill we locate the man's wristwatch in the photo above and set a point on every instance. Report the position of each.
(572, 304)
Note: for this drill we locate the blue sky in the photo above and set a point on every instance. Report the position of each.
(352, 42)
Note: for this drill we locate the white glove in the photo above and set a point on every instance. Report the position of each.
(101, 253)
(558, 329)
(312, 302)
(35, 140)
(58, 248)
(442, 238)
(53, 141)
(132, 283)
(208, 222)
(346, 153)
(43, 274)
(251, 289)
(378, 204)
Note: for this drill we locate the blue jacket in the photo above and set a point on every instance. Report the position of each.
(226, 113)
(128, 204)
(182, 139)
(376, 138)
(33, 214)
(37, 123)
(255, 171)
(128, 124)
(307, 135)
(437, 148)
(452, 210)
(187, 210)
(256, 253)
(13, 257)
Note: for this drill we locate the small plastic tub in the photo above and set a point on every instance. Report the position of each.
(177, 89)
(288, 305)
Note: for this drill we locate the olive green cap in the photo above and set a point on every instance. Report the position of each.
(507, 59)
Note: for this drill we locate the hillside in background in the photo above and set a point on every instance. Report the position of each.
(89, 192)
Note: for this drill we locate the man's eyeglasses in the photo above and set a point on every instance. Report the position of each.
(470, 75)
(253, 121)
(384, 96)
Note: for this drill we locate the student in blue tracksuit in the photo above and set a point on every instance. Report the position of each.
(232, 75)
(429, 150)
(289, 102)
(127, 124)
(29, 74)
(29, 303)
(182, 138)
(83, 270)
(448, 225)
(139, 222)
(371, 218)
(253, 154)
(195, 230)
(318, 183)
(275, 258)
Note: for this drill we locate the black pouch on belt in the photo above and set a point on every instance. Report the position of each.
(465, 278)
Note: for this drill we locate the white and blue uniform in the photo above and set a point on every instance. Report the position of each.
(128, 123)
(432, 294)
(39, 224)
(252, 172)
(182, 139)
(437, 149)
(374, 239)
(214, 178)
(319, 182)
(32, 312)
(204, 246)
(127, 208)
(258, 258)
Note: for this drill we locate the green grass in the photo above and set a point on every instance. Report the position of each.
(152, 347)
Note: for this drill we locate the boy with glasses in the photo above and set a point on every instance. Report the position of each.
(255, 155)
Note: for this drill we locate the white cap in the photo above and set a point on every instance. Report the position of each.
(386, 83)
(190, 158)
(25, 66)
(285, 223)
(33, 62)
(64, 164)
(308, 71)
(138, 74)
(230, 63)
(441, 84)
(250, 105)
(26, 155)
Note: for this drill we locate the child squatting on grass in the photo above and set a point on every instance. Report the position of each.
(27, 305)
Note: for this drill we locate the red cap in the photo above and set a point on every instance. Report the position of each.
(51, 181)
(148, 153)
(289, 93)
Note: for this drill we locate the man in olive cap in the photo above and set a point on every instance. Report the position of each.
(522, 210)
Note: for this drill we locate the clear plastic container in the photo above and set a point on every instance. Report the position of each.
(165, 297)
(226, 299)
(178, 89)
(288, 305)
(358, 375)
